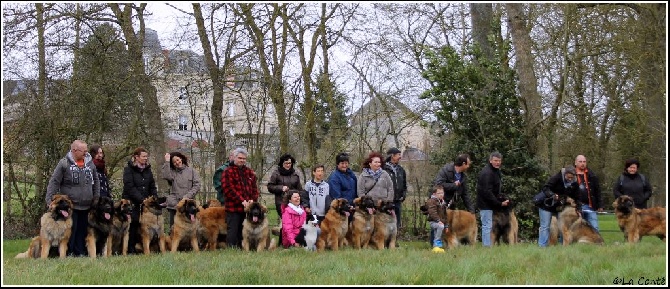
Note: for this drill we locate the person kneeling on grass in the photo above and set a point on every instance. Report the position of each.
(292, 218)
(437, 217)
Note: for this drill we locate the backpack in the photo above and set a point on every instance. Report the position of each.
(216, 180)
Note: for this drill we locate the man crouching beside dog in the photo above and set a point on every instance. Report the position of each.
(561, 184)
(75, 175)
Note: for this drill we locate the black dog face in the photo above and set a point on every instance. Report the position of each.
(105, 209)
(502, 197)
(61, 207)
(122, 209)
(256, 213)
(189, 209)
(624, 204)
(386, 207)
(366, 204)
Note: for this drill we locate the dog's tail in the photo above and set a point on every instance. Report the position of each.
(21, 255)
(273, 244)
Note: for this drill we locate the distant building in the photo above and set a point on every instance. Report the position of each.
(383, 120)
(184, 92)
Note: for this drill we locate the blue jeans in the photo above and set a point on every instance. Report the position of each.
(590, 215)
(545, 222)
(436, 230)
(396, 208)
(486, 217)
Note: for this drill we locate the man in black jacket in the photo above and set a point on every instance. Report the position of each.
(453, 179)
(399, 178)
(489, 186)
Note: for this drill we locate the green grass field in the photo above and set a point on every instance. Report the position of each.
(412, 264)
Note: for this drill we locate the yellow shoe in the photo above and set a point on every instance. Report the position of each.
(438, 250)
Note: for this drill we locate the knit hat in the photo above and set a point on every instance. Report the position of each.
(393, 151)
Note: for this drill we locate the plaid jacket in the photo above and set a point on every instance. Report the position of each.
(238, 184)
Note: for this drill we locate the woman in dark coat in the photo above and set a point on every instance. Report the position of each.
(138, 184)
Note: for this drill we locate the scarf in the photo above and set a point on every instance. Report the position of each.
(297, 209)
(100, 165)
(392, 166)
(285, 172)
(375, 174)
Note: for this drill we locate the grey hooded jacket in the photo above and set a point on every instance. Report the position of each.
(81, 185)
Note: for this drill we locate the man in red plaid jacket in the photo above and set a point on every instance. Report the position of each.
(239, 187)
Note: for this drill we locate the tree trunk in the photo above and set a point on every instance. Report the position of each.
(147, 91)
(481, 15)
(531, 100)
(215, 75)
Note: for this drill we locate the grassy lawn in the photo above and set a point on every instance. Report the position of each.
(413, 263)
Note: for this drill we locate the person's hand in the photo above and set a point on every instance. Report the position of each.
(600, 210)
(308, 210)
(296, 245)
(446, 230)
(457, 183)
(167, 157)
(284, 188)
(505, 203)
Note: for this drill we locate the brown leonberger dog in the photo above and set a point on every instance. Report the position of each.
(99, 227)
(462, 228)
(55, 231)
(574, 228)
(636, 223)
(120, 232)
(505, 226)
(185, 227)
(334, 226)
(255, 230)
(212, 203)
(212, 226)
(152, 234)
(385, 229)
(360, 229)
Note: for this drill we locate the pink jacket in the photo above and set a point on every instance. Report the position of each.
(291, 223)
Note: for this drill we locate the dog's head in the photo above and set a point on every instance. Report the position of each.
(122, 209)
(104, 208)
(156, 204)
(341, 206)
(61, 207)
(255, 212)
(189, 208)
(624, 204)
(365, 204)
(212, 203)
(386, 207)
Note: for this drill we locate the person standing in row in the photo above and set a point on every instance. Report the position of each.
(138, 184)
(489, 186)
(75, 176)
(453, 179)
(343, 182)
(318, 194)
(216, 179)
(99, 161)
(374, 181)
(184, 182)
(240, 190)
(283, 179)
(589, 192)
(633, 184)
(399, 178)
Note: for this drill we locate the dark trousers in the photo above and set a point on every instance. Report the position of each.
(134, 230)
(397, 208)
(171, 213)
(77, 244)
(278, 208)
(234, 232)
